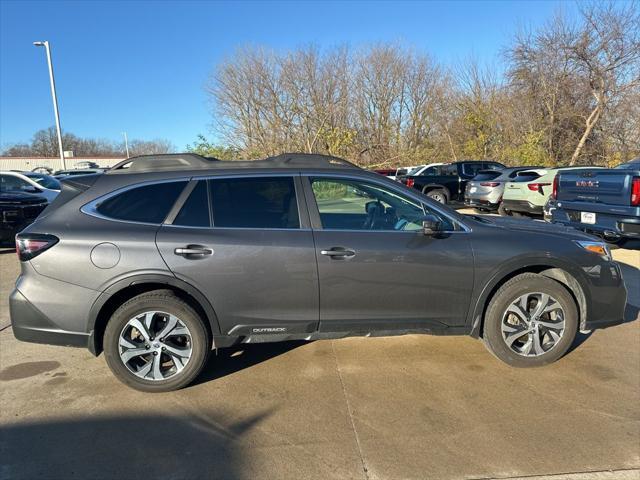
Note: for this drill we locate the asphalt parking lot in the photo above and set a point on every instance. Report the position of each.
(364, 408)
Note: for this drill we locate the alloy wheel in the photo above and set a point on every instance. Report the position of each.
(155, 345)
(533, 324)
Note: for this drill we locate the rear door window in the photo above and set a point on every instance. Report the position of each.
(254, 202)
(471, 169)
(146, 204)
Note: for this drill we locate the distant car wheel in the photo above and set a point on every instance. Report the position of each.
(438, 195)
(531, 321)
(156, 342)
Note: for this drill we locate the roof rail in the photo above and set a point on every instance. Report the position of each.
(192, 161)
(309, 160)
(165, 161)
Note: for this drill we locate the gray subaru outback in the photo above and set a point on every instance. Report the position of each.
(163, 258)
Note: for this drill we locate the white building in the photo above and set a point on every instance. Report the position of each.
(29, 163)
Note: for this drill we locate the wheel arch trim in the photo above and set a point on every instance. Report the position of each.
(552, 267)
(140, 280)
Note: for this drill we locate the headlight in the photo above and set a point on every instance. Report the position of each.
(598, 248)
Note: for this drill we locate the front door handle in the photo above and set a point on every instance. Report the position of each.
(338, 252)
(193, 250)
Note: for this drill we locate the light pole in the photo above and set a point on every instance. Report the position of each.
(45, 44)
(126, 143)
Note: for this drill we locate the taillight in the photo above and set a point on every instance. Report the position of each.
(635, 191)
(554, 193)
(409, 182)
(29, 245)
(537, 187)
(489, 184)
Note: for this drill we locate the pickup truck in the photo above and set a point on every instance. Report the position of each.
(601, 201)
(447, 183)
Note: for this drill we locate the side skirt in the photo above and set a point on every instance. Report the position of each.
(223, 341)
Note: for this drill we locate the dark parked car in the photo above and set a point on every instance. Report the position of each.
(158, 263)
(17, 210)
(601, 201)
(447, 183)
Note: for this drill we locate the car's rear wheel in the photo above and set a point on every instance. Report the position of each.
(439, 196)
(531, 321)
(156, 342)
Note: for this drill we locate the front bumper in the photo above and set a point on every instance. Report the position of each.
(30, 325)
(607, 294)
(522, 206)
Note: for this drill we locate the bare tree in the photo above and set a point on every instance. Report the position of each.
(606, 50)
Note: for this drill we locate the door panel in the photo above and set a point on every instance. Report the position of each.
(382, 272)
(252, 277)
(395, 280)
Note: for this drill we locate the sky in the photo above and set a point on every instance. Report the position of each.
(141, 67)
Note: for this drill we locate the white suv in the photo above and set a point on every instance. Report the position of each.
(30, 182)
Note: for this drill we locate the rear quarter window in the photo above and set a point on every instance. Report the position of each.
(148, 203)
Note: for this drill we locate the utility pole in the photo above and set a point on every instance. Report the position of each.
(126, 143)
(45, 44)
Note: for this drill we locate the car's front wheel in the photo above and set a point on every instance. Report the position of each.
(155, 342)
(531, 321)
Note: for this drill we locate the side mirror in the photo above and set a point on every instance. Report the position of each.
(431, 225)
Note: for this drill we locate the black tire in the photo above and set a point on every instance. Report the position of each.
(165, 301)
(438, 195)
(511, 291)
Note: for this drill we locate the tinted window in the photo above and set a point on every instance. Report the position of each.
(268, 202)
(149, 204)
(450, 170)
(471, 169)
(195, 211)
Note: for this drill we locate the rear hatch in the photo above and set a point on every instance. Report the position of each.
(482, 184)
(519, 188)
(595, 186)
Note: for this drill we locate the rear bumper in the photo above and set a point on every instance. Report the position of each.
(30, 325)
(479, 203)
(613, 225)
(523, 206)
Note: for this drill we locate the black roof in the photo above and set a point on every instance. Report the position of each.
(192, 161)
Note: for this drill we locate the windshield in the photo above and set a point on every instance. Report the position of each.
(45, 180)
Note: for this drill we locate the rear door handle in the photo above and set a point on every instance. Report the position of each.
(193, 250)
(339, 252)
